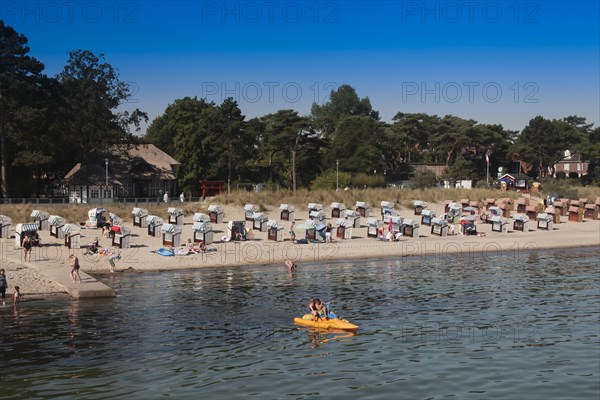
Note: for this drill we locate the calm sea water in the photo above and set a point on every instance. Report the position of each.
(504, 327)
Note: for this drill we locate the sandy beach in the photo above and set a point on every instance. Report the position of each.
(452, 249)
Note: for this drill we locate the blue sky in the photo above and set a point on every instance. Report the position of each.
(492, 61)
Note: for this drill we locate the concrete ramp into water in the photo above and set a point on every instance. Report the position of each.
(60, 274)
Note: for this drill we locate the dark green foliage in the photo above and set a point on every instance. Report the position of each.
(423, 179)
(357, 144)
(342, 102)
(462, 169)
(542, 143)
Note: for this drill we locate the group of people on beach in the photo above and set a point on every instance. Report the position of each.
(195, 248)
(326, 233)
(16, 297)
(391, 236)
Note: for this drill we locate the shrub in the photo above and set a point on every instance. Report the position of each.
(561, 187)
(327, 180)
(423, 179)
(362, 180)
(561, 175)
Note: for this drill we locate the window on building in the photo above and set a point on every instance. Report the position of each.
(94, 192)
(567, 167)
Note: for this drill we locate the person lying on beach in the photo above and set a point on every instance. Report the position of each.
(291, 265)
(199, 247)
(390, 237)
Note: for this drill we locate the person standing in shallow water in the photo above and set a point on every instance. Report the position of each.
(3, 285)
(291, 265)
(17, 295)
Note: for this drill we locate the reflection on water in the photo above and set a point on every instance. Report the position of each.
(319, 337)
(499, 327)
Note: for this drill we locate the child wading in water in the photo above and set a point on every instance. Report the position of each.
(17, 295)
(291, 265)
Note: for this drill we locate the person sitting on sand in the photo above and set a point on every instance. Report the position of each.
(194, 248)
(291, 265)
(390, 237)
(190, 246)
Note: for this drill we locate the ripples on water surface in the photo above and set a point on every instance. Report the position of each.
(502, 327)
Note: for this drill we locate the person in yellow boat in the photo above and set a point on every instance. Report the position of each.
(317, 308)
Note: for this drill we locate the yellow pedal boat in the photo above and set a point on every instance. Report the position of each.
(325, 323)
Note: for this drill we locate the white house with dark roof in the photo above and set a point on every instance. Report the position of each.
(141, 170)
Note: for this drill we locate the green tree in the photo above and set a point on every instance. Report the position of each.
(92, 92)
(452, 135)
(19, 80)
(589, 146)
(411, 134)
(542, 143)
(288, 134)
(462, 169)
(357, 144)
(39, 142)
(231, 141)
(592, 153)
(342, 102)
(186, 132)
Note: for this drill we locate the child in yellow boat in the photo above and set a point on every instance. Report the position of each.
(317, 308)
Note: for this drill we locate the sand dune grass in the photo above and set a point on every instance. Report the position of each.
(268, 201)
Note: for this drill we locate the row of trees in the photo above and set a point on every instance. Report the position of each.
(47, 124)
(345, 134)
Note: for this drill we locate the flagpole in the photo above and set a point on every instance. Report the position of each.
(487, 163)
